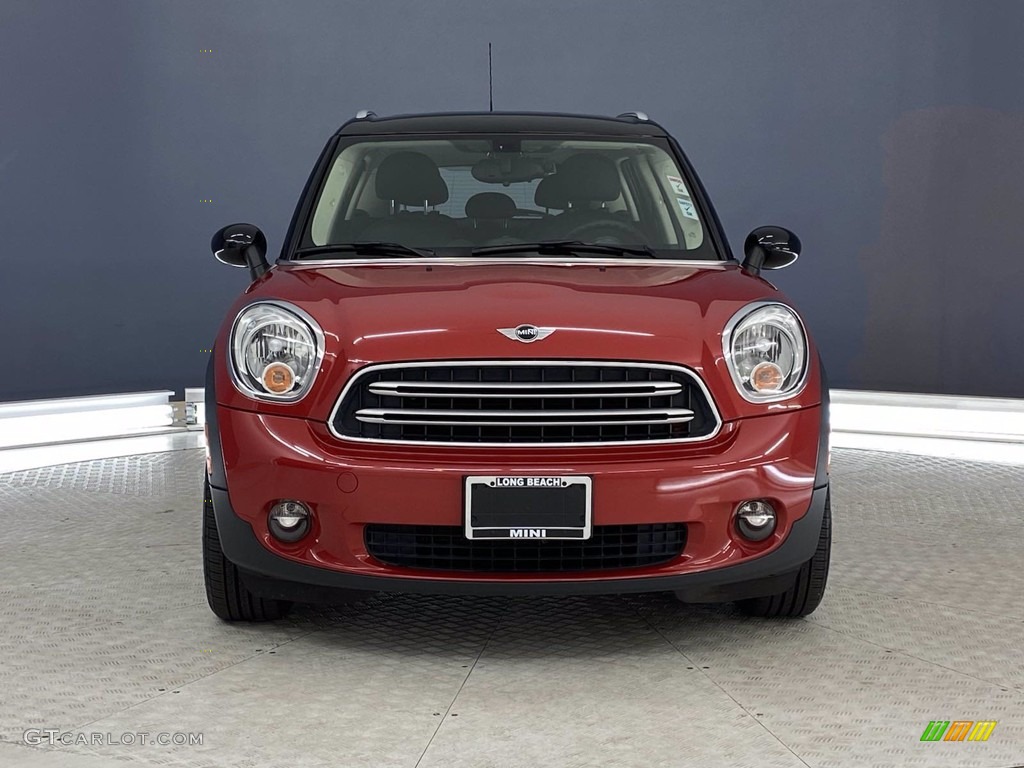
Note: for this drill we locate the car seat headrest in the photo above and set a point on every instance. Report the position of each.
(580, 178)
(548, 194)
(410, 178)
(490, 205)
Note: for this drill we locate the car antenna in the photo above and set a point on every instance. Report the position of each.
(490, 79)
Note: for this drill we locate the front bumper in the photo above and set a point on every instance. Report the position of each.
(264, 458)
(272, 576)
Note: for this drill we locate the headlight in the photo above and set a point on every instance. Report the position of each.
(766, 351)
(275, 351)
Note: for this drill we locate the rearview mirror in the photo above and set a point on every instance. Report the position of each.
(241, 245)
(770, 248)
(507, 169)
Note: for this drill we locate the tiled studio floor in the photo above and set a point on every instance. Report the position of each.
(104, 630)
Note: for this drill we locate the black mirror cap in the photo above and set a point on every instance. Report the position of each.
(770, 248)
(241, 245)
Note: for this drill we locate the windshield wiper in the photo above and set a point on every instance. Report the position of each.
(562, 247)
(364, 249)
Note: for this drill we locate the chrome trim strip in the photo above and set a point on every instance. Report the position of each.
(354, 379)
(474, 389)
(489, 418)
(561, 261)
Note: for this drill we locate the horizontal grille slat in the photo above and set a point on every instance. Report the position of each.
(519, 389)
(527, 402)
(523, 418)
(445, 548)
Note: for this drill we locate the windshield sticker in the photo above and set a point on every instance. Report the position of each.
(686, 206)
(678, 187)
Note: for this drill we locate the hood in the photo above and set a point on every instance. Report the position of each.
(382, 313)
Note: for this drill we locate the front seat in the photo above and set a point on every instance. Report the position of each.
(410, 180)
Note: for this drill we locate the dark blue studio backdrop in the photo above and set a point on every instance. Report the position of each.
(889, 135)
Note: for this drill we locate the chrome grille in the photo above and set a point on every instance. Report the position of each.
(525, 402)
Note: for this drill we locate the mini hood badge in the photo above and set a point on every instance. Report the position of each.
(526, 333)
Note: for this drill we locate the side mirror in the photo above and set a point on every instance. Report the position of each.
(241, 245)
(769, 248)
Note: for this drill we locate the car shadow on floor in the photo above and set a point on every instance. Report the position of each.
(516, 628)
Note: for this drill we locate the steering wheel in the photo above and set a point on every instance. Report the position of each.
(610, 231)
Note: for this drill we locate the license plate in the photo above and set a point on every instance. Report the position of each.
(528, 507)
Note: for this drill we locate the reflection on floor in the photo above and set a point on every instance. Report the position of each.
(16, 459)
(104, 630)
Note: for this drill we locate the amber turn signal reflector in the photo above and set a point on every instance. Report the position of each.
(278, 378)
(766, 377)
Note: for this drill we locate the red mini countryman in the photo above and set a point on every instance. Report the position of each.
(512, 354)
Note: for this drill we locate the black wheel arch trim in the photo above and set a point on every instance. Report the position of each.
(218, 477)
(821, 472)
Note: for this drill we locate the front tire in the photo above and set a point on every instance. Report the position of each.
(808, 587)
(225, 592)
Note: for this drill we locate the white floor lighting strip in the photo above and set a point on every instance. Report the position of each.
(974, 428)
(70, 419)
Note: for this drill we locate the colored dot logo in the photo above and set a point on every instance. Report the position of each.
(206, 50)
(206, 200)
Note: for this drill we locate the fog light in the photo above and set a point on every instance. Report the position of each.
(755, 520)
(289, 520)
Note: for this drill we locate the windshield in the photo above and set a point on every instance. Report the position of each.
(453, 196)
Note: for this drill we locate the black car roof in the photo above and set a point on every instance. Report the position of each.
(501, 122)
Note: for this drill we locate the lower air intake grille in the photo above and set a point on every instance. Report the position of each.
(445, 548)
